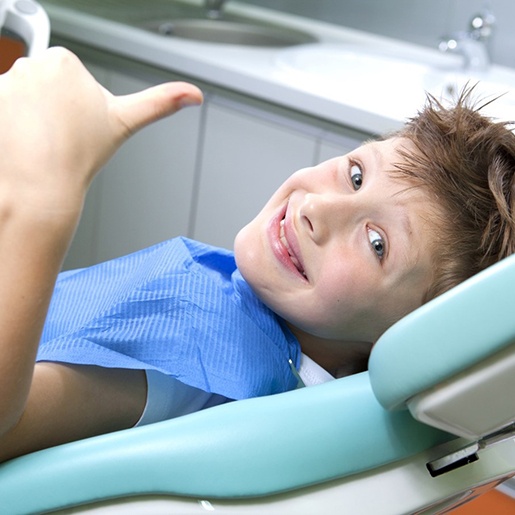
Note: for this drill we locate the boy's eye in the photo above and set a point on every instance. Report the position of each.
(377, 243)
(356, 176)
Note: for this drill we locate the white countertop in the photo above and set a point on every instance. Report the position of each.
(375, 103)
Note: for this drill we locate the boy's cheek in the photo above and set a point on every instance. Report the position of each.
(250, 255)
(242, 248)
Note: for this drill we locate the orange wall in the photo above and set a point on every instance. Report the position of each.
(10, 50)
(491, 503)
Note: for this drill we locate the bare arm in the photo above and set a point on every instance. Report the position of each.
(57, 128)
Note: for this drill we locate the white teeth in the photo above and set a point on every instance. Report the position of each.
(284, 241)
(282, 237)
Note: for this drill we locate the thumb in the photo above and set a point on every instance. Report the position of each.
(135, 111)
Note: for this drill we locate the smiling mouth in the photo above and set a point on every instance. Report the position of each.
(292, 255)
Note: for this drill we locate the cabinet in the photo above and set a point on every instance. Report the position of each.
(203, 173)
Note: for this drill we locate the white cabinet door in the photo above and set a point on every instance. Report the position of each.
(147, 187)
(246, 155)
(144, 194)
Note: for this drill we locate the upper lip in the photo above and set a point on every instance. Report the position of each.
(288, 238)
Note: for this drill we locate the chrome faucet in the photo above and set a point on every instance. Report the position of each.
(214, 8)
(472, 44)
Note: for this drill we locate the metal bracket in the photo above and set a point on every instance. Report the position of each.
(469, 453)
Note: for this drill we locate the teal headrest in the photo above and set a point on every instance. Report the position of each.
(445, 336)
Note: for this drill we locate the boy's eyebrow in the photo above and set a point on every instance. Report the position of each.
(378, 157)
(406, 222)
(374, 145)
(405, 230)
(399, 231)
(407, 227)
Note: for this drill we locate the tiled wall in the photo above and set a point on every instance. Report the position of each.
(418, 21)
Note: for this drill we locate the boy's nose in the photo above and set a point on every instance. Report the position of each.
(322, 214)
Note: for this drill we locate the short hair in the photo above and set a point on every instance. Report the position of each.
(466, 161)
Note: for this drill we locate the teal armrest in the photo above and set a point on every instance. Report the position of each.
(244, 449)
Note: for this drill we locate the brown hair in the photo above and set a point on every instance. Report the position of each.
(467, 162)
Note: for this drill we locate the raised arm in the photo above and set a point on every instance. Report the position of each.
(58, 126)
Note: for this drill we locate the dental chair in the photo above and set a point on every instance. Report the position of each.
(427, 428)
(25, 30)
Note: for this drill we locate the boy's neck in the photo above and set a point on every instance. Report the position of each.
(339, 358)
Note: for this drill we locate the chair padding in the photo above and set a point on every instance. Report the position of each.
(248, 448)
(445, 336)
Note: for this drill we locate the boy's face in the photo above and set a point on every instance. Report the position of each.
(342, 250)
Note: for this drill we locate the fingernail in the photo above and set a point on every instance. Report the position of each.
(189, 101)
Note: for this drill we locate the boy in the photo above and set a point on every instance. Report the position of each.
(339, 253)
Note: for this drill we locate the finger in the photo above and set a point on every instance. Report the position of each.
(140, 109)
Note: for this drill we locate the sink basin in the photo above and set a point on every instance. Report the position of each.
(191, 21)
(229, 32)
(387, 82)
(355, 74)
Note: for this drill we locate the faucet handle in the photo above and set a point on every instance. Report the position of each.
(473, 43)
(214, 8)
(482, 25)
